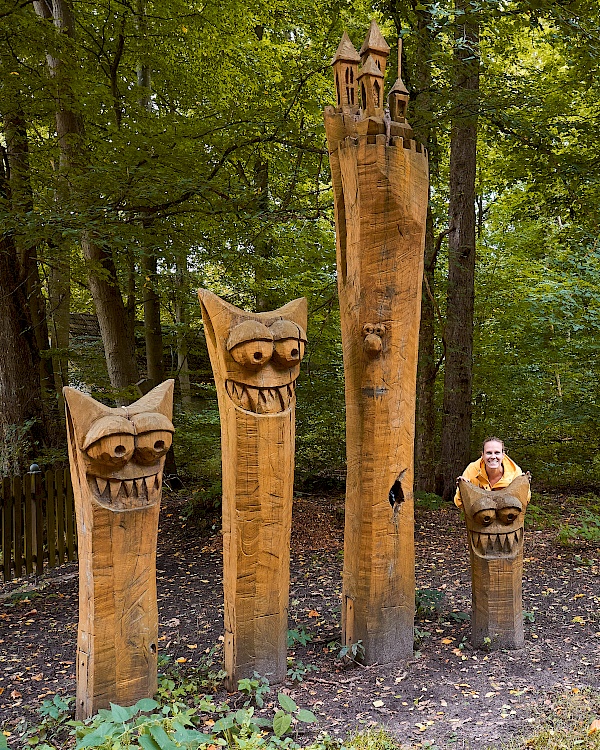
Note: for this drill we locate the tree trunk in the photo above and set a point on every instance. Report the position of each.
(154, 341)
(263, 245)
(457, 411)
(24, 426)
(119, 345)
(427, 370)
(21, 198)
(181, 318)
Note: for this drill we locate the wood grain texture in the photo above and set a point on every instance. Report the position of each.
(380, 183)
(117, 458)
(495, 520)
(256, 360)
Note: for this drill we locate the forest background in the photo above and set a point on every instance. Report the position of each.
(149, 149)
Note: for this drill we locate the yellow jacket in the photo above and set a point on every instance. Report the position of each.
(476, 474)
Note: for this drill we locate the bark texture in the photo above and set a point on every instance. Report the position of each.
(457, 411)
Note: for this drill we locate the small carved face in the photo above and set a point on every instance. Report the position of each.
(258, 354)
(495, 519)
(373, 334)
(122, 451)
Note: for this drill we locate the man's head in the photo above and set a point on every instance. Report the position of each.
(492, 453)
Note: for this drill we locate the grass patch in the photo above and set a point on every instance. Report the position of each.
(430, 501)
(568, 726)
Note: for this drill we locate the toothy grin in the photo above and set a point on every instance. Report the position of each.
(126, 494)
(261, 400)
(495, 545)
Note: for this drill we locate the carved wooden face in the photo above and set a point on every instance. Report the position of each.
(257, 355)
(120, 453)
(495, 518)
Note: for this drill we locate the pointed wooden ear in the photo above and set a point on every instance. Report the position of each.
(519, 488)
(83, 411)
(296, 310)
(218, 314)
(470, 493)
(159, 400)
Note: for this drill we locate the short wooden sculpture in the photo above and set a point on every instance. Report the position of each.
(117, 458)
(256, 361)
(380, 184)
(495, 530)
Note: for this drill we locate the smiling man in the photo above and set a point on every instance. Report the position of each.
(493, 471)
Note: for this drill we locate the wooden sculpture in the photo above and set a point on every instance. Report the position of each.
(495, 532)
(117, 458)
(256, 361)
(380, 185)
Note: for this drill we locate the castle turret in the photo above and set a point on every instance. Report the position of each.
(345, 71)
(398, 96)
(371, 88)
(376, 47)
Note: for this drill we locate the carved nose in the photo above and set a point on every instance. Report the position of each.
(372, 345)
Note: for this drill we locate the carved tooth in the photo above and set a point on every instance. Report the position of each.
(101, 484)
(475, 539)
(128, 484)
(139, 483)
(115, 486)
(244, 400)
(268, 401)
(156, 482)
(492, 538)
(252, 397)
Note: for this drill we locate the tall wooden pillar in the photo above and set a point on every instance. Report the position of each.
(495, 521)
(117, 458)
(256, 361)
(380, 181)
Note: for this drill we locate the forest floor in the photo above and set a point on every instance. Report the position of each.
(447, 696)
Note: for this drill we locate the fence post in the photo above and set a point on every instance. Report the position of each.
(37, 497)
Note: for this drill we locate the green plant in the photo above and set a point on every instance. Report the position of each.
(298, 636)
(428, 602)
(177, 681)
(588, 529)
(53, 728)
(528, 617)
(255, 688)
(372, 739)
(419, 636)
(429, 501)
(297, 670)
(351, 652)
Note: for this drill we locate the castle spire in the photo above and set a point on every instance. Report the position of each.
(398, 96)
(345, 72)
(376, 47)
(371, 88)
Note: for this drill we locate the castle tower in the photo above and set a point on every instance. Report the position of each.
(345, 71)
(380, 187)
(371, 88)
(398, 96)
(375, 46)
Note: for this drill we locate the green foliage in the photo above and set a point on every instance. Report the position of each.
(15, 447)
(298, 636)
(352, 653)
(297, 670)
(376, 738)
(429, 501)
(256, 687)
(587, 529)
(428, 602)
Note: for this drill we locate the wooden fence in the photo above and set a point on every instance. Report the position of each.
(37, 516)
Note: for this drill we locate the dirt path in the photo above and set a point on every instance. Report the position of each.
(450, 696)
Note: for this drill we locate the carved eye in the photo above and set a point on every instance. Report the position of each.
(289, 341)
(250, 343)
(112, 450)
(367, 329)
(150, 446)
(484, 517)
(252, 354)
(508, 515)
(379, 329)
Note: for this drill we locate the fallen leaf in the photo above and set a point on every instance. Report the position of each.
(594, 726)
(313, 613)
(447, 641)
(181, 660)
(378, 704)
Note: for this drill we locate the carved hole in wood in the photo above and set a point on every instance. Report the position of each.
(396, 494)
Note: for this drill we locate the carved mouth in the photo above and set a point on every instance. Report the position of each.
(496, 545)
(126, 494)
(261, 400)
